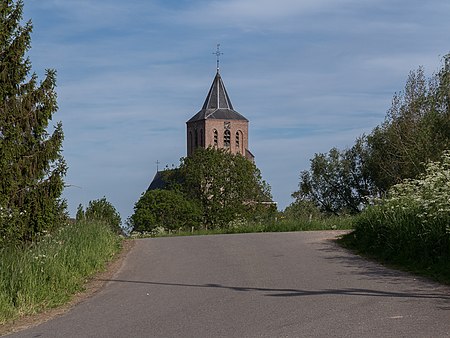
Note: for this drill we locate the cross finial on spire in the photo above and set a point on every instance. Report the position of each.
(218, 53)
(157, 165)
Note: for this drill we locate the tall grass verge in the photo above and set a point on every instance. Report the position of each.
(47, 272)
(411, 227)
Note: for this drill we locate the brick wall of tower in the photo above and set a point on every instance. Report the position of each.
(207, 127)
(240, 126)
(195, 136)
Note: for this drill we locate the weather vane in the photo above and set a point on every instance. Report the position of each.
(218, 53)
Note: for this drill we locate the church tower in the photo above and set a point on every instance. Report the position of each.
(217, 124)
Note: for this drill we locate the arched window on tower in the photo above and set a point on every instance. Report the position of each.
(216, 138)
(196, 138)
(238, 141)
(191, 142)
(201, 138)
(226, 138)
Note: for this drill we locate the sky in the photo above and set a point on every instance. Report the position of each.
(309, 75)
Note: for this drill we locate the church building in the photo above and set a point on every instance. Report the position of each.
(217, 124)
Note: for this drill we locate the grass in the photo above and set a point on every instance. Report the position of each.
(46, 273)
(283, 225)
(403, 241)
(437, 270)
(410, 228)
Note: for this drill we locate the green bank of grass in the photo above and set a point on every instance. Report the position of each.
(402, 240)
(288, 225)
(46, 273)
(238, 227)
(410, 228)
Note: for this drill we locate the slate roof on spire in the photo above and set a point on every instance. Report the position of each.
(217, 104)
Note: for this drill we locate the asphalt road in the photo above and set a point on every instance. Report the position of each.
(255, 285)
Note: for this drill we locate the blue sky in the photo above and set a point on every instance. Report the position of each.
(308, 74)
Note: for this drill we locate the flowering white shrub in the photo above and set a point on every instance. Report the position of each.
(157, 231)
(429, 194)
(238, 223)
(413, 222)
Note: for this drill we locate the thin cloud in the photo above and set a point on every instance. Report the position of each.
(251, 13)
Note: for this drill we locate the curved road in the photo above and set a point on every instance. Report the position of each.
(255, 285)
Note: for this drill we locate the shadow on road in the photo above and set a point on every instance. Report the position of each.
(366, 268)
(270, 292)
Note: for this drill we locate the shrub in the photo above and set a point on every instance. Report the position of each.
(164, 208)
(413, 222)
(302, 210)
(101, 211)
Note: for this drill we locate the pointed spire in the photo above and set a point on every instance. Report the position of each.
(217, 104)
(217, 97)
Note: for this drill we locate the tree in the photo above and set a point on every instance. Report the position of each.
(416, 129)
(227, 186)
(337, 182)
(80, 216)
(164, 208)
(31, 163)
(101, 211)
(302, 210)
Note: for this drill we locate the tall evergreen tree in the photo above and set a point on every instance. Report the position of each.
(31, 163)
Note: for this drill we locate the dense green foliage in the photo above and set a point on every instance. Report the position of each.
(411, 225)
(31, 164)
(227, 186)
(101, 211)
(211, 188)
(338, 182)
(47, 272)
(302, 210)
(165, 208)
(416, 130)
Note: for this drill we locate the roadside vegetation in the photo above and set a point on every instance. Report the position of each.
(416, 130)
(47, 272)
(242, 226)
(410, 227)
(299, 216)
(395, 180)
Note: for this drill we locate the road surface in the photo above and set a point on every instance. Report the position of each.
(254, 285)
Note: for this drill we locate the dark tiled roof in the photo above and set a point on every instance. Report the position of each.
(221, 114)
(158, 181)
(165, 179)
(217, 104)
(249, 155)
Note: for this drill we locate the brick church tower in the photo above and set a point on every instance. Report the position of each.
(217, 124)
